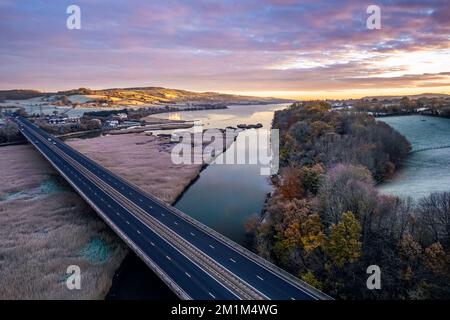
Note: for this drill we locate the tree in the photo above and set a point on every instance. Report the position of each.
(405, 103)
(435, 216)
(311, 279)
(346, 188)
(290, 185)
(311, 177)
(306, 232)
(343, 245)
(436, 259)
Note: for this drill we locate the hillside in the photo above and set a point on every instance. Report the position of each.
(414, 96)
(18, 94)
(138, 96)
(159, 95)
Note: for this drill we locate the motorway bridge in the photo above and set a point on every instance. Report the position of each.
(195, 261)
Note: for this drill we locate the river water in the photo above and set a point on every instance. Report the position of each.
(427, 168)
(223, 197)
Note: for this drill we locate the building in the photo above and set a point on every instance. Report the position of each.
(122, 116)
(112, 123)
(63, 120)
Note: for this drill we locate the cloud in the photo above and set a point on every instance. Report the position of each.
(222, 45)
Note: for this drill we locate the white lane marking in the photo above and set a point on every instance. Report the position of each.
(292, 298)
(117, 213)
(138, 232)
(211, 295)
(152, 243)
(141, 200)
(212, 247)
(188, 274)
(163, 214)
(232, 260)
(192, 234)
(260, 278)
(176, 223)
(109, 206)
(128, 222)
(168, 258)
(150, 207)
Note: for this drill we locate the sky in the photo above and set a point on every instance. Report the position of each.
(283, 48)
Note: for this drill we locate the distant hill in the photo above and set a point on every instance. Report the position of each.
(138, 96)
(18, 94)
(159, 95)
(414, 96)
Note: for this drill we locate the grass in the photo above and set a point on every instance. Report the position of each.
(142, 160)
(51, 227)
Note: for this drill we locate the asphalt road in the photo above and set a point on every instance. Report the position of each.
(195, 261)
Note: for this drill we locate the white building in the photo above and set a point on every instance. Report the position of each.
(112, 123)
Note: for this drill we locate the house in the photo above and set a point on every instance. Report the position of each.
(341, 107)
(63, 120)
(122, 116)
(112, 123)
(57, 121)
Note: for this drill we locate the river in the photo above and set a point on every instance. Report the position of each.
(427, 168)
(222, 197)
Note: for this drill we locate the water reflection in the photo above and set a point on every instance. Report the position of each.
(224, 196)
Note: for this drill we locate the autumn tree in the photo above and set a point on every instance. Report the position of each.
(291, 186)
(436, 259)
(343, 244)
